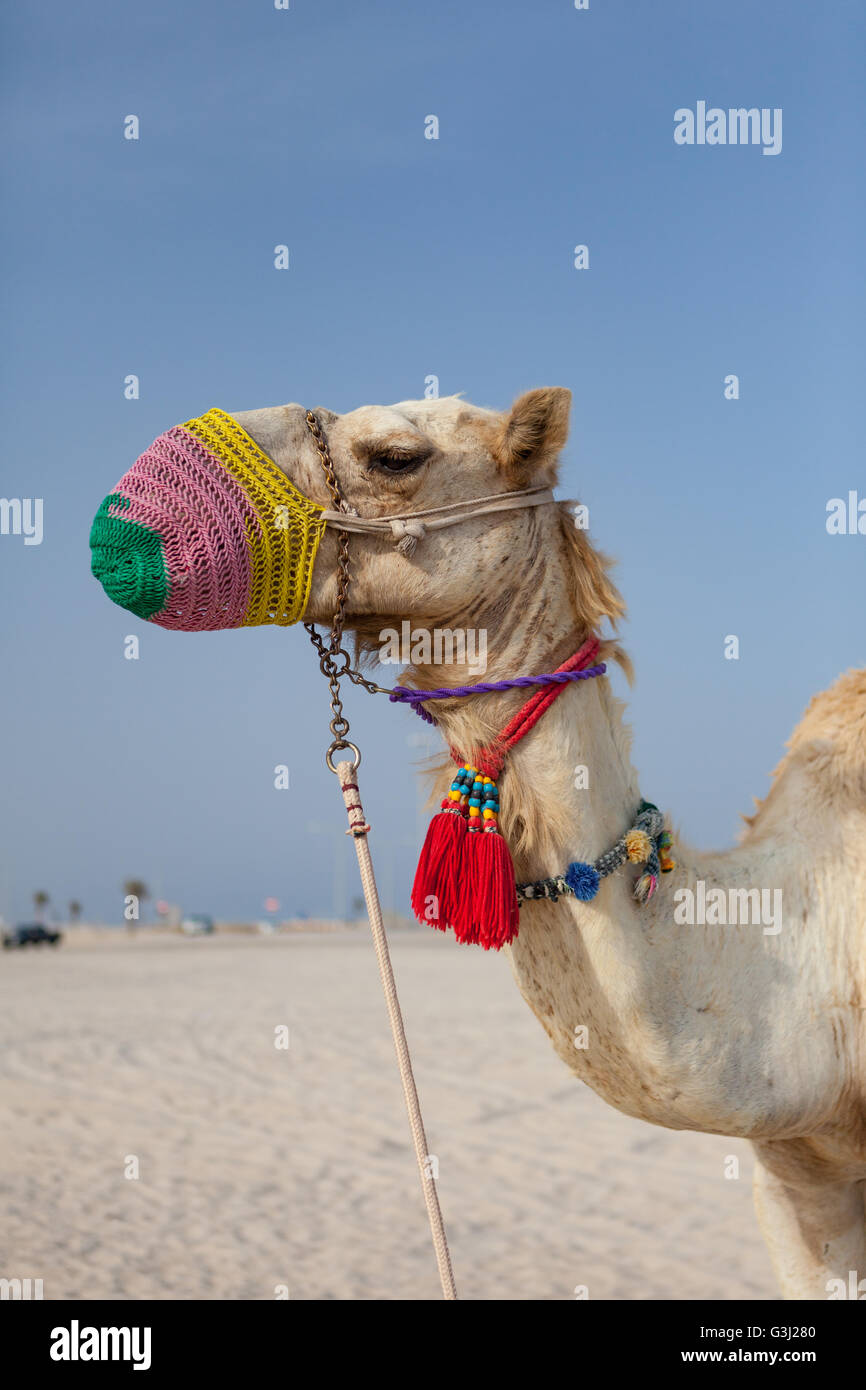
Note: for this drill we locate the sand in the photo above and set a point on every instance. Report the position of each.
(261, 1167)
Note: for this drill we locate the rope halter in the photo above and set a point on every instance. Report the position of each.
(410, 527)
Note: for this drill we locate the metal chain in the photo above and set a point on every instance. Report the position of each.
(334, 651)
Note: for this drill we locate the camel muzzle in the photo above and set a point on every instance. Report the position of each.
(206, 532)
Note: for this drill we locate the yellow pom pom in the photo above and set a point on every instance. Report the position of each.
(638, 846)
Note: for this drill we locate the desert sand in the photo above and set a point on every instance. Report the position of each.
(260, 1167)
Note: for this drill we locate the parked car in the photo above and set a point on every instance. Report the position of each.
(31, 934)
(197, 924)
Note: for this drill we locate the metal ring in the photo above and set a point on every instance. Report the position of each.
(343, 743)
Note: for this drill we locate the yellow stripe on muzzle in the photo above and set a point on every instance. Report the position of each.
(282, 549)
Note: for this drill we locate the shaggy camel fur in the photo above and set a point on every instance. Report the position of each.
(730, 1029)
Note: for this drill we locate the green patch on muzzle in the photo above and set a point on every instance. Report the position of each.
(127, 559)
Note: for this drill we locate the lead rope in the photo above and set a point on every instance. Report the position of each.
(347, 773)
(359, 829)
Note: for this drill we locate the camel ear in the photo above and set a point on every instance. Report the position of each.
(533, 434)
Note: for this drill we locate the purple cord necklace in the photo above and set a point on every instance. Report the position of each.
(415, 698)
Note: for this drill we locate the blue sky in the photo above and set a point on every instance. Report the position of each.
(411, 257)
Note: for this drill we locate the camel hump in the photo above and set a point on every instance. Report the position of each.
(836, 720)
(826, 757)
(829, 743)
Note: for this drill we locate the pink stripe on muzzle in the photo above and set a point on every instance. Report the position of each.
(204, 518)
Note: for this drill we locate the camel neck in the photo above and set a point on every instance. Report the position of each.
(539, 635)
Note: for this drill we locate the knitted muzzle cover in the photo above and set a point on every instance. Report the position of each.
(206, 532)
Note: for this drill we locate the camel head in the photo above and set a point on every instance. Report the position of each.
(174, 541)
(413, 457)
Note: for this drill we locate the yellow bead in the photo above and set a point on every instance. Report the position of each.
(488, 815)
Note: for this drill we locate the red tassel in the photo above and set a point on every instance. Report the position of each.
(502, 920)
(465, 919)
(488, 913)
(439, 867)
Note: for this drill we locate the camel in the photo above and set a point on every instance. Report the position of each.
(753, 1030)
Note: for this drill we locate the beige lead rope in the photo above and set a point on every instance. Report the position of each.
(348, 775)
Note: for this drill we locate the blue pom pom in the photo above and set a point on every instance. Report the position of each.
(583, 880)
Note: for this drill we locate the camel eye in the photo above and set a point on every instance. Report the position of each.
(397, 461)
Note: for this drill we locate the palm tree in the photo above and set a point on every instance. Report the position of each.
(41, 899)
(74, 910)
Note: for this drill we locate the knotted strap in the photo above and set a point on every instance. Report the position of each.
(416, 525)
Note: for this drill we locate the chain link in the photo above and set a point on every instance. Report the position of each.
(334, 651)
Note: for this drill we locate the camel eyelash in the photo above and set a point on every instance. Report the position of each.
(396, 460)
